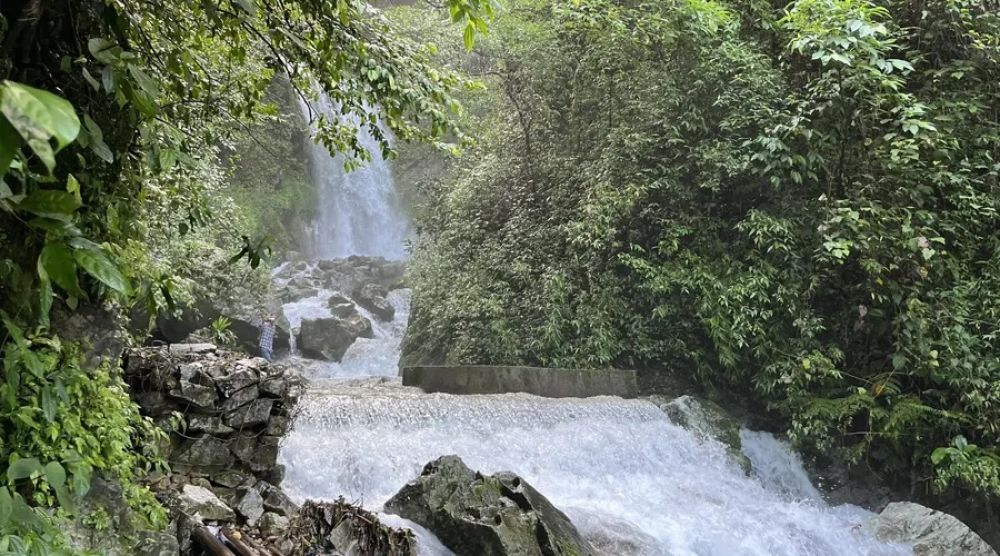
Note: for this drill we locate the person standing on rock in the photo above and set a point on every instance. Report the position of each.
(267, 338)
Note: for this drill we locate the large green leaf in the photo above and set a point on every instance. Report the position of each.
(59, 265)
(98, 265)
(23, 468)
(39, 116)
(8, 145)
(6, 506)
(53, 204)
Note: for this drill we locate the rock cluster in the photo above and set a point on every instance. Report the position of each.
(235, 409)
(306, 278)
(486, 515)
(343, 287)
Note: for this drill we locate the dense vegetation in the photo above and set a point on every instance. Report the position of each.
(120, 192)
(796, 204)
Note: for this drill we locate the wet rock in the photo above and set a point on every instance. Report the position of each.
(236, 381)
(196, 394)
(153, 403)
(275, 500)
(240, 398)
(195, 500)
(258, 452)
(329, 338)
(278, 425)
(232, 479)
(251, 506)
(706, 420)
(278, 386)
(206, 451)
(932, 533)
(372, 297)
(208, 424)
(254, 413)
(272, 524)
(340, 306)
(473, 514)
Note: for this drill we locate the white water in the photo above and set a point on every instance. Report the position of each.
(359, 211)
(631, 481)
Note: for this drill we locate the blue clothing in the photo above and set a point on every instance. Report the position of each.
(267, 340)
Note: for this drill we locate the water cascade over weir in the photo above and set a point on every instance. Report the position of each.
(630, 480)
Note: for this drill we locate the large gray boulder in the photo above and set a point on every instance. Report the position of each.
(708, 421)
(372, 297)
(329, 338)
(198, 501)
(932, 533)
(480, 515)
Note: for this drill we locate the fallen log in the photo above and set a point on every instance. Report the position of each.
(235, 541)
(204, 537)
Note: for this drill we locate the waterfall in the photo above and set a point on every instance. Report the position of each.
(358, 212)
(634, 483)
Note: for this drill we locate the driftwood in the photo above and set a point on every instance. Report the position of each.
(243, 545)
(311, 527)
(204, 537)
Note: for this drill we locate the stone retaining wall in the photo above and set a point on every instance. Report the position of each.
(541, 381)
(225, 412)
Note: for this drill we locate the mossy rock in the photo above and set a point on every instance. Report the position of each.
(486, 515)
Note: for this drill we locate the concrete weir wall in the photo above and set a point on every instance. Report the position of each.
(541, 381)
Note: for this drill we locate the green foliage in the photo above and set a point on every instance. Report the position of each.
(60, 425)
(115, 118)
(797, 203)
(221, 334)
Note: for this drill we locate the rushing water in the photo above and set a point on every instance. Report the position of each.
(359, 212)
(631, 481)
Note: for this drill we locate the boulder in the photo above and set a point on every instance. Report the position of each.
(208, 424)
(196, 500)
(275, 500)
(372, 297)
(340, 306)
(272, 524)
(196, 394)
(258, 452)
(232, 479)
(251, 506)
(477, 515)
(235, 381)
(932, 533)
(329, 338)
(240, 398)
(206, 451)
(250, 415)
(706, 420)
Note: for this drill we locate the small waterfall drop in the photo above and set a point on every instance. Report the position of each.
(358, 212)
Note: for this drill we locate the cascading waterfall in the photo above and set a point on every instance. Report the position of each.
(359, 212)
(632, 482)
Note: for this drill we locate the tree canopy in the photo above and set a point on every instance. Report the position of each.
(796, 203)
